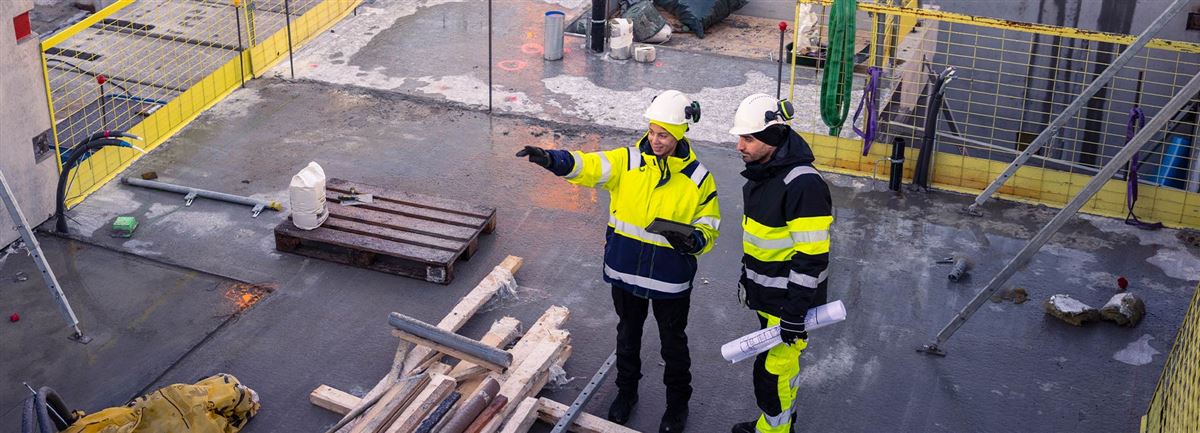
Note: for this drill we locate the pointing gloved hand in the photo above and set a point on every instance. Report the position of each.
(536, 155)
(685, 244)
(789, 332)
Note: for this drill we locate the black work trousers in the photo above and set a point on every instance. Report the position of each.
(671, 315)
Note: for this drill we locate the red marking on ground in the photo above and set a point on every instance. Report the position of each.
(511, 65)
(532, 48)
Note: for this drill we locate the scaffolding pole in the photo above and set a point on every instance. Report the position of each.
(1061, 120)
(1119, 160)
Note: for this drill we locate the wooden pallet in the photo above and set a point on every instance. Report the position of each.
(400, 233)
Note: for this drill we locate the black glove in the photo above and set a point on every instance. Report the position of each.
(685, 244)
(789, 332)
(536, 155)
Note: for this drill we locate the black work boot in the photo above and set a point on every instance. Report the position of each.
(622, 406)
(745, 427)
(674, 419)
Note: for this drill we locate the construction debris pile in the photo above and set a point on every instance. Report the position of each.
(489, 390)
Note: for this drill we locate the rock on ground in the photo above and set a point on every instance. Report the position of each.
(1125, 309)
(1070, 310)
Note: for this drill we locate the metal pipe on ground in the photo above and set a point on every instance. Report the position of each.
(488, 413)
(449, 343)
(472, 407)
(190, 194)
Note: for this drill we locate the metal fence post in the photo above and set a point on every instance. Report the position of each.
(489, 56)
(237, 16)
(287, 13)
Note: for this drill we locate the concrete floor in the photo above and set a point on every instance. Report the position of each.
(143, 316)
(368, 111)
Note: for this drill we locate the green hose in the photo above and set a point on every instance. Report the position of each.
(838, 77)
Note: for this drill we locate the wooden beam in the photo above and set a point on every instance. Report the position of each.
(552, 319)
(547, 327)
(469, 305)
(522, 417)
(333, 399)
(393, 401)
(520, 382)
(504, 331)
(550, 411)
(440, 386)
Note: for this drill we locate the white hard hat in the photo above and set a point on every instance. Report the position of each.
(758, 111)
(674, 108)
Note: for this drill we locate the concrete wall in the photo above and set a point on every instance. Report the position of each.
(23, 116)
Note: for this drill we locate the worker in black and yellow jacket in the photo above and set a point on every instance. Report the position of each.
(786, 249)
(658, 177)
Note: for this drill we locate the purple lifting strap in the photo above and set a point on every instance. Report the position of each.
(870, 98)
(1137, 119)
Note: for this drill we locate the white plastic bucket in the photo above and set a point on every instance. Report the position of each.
(307, 196)
(620, 39)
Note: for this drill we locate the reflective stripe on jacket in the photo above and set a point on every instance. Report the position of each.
(643, 187)
(786, 233)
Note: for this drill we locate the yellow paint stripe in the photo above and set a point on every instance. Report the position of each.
(1069, 32)
(1174, 208)
(66, 33)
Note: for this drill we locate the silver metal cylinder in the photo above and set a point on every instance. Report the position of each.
(552, 44)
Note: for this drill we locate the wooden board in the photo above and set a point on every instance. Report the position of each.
(333, 399)
(438, 389)
(550, 411)
(522, 417)
(521, 381)
(400, 233)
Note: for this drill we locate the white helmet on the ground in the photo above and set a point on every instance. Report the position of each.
(757, 112)
(674, 108)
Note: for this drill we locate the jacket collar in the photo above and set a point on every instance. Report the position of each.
(676, 161)
(795, 151)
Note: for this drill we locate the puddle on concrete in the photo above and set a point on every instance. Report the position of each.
(1138, 352)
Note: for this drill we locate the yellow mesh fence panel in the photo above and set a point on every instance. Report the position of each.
(151, 66)
(1012, 80)
(1175, 406)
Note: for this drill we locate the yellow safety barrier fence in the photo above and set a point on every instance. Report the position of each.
(1012, 80)
(150, 67)
(1175, 406)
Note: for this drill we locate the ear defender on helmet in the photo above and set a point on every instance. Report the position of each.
(784, 113)
(692, 112)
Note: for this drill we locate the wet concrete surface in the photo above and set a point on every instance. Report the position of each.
(392, 98)
(438, 48)
(142, 316)
(1011, 368)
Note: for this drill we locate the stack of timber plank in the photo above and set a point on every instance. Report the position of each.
(423, 394)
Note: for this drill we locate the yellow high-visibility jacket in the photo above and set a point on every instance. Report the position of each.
(643, 187)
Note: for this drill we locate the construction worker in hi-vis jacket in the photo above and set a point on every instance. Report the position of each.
(658, 177)
(785, 244)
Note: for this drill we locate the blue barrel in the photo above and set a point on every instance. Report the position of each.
(1174, 169)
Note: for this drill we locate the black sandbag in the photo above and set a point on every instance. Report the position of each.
(700, 14)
